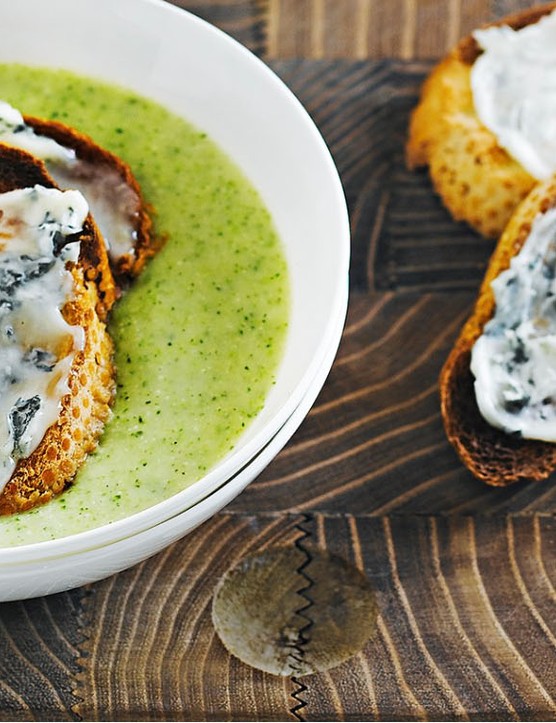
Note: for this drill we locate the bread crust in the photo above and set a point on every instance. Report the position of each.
(490, 454)
(478, 181)
(85, 409)
(146, 244)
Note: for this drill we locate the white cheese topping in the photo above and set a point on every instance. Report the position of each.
(15, 132)
(514, 361)
(113, 203)
(37, 345)
(514, 91)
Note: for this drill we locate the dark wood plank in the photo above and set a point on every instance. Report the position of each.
(402, 237)
(244, 20)
(40, 644)
(374, 441)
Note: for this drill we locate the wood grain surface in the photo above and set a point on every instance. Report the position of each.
(40, 646)
(362, 29)
(466, 629)
(464, 575)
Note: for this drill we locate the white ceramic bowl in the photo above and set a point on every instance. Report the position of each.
(200, 73)
(45, 576)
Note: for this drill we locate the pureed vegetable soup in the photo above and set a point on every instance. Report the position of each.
(199, 336)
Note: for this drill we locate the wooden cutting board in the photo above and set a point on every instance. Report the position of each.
(463, 576)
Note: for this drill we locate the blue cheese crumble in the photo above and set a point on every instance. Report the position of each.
(514, 361)
(39, 234)
(514, 91)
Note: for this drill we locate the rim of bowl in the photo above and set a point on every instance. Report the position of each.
(238, 457)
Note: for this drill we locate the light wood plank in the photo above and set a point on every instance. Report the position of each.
(457, 637)
(446, 641)
(152, 648)
(357, 29)
(244, 20)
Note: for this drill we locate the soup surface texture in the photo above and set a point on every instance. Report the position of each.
(198, 338)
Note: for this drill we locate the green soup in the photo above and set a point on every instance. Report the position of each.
(199, 336)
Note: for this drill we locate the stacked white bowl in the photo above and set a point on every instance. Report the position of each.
(258, 122)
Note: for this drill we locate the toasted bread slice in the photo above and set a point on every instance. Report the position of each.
(478, 181)
(113, 194)
(489, 453)
(53, 464)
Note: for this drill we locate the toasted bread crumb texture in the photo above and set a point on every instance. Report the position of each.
(477, 180)
(52, 466)
(94, 260)
(84, 411)
(497, 458)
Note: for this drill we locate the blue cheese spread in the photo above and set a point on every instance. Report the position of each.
(39, 235)
(514, 91)
(113, 203)
(514, 361)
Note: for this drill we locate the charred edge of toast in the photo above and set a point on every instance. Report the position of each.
(468, 50)
(491, 455)
(497, 458)
(146, 245)
(53, 465)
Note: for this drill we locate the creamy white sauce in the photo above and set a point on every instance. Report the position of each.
(114, 205)
(37, 345)
(514, 91)
(514, 361)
